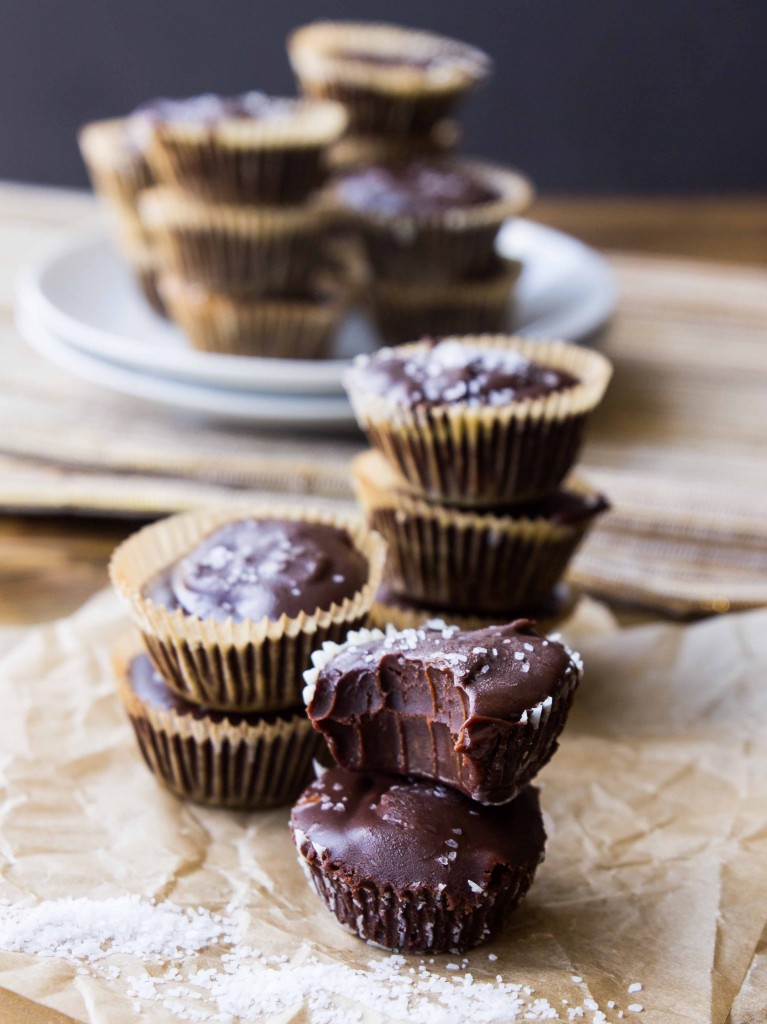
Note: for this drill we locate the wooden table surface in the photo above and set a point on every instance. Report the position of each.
(49, 564)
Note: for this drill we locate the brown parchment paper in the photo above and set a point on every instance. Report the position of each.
(656, 809)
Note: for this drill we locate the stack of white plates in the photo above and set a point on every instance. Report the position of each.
(80, 308)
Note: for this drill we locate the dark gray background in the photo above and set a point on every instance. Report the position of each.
(588, 95)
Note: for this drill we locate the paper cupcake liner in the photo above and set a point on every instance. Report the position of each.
(238, 250)
(358, 150)
(487, 456)
(452, 245)
(465, 561)
(418, 920)
(236, 666)
(249, 160)
(391, 609)
(489, 771)
(245, 765)
(117, 165)
(384, 97)
(269, 327)
(404, 312)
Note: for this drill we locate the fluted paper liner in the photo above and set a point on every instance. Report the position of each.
(384, 98)
(391, 610)
(117, 165)
(222, 764)
(237, 249)
(235, 666)
(261, 326)
(445, 245)
(406, 310)
(249, 159)
(419, 919)
(482, 563)
(484, 456)
(529, 747)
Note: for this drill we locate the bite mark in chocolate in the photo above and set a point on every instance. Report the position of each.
(478, 710)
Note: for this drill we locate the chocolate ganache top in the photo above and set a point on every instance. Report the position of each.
(452, 371)
(439, 671)
(415, 835)
(262, 568)
(150, 688)
(419, 188)
(209, 109)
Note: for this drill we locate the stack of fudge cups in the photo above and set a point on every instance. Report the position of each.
(428, 833)
(400, 86)
(469, 480)
(426, 222)
(114, 152)
(229, 605)
(243, 240)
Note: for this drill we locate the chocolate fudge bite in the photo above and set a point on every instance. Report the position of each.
(414, 866)
(431, 220)
(450, 372)
(478, 710)
(478, 421)
(393, 81)
(250, 148)
(224, 759)
(255, 569)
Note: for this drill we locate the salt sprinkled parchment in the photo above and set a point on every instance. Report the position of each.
(655, 874)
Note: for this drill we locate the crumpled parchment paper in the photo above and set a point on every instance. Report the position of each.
(655, 805)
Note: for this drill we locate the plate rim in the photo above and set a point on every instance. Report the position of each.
(215, 370)
(235, 407)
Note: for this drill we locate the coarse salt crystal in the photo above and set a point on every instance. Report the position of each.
(635, 986)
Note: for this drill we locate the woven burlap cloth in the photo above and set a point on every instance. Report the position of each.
(655, 806)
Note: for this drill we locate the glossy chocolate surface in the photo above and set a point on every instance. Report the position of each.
(413, 836)
(479, 710)
(262, 568)
(150, 688)
(451, 372)
(418, 188)
(209, 108)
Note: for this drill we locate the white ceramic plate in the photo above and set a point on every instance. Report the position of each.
(83, 296)
(279, 411)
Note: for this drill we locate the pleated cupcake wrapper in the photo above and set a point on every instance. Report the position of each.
(485, 456)
(404, 312)
(249, 160)
(221, 764)
(388, 611)
(467, 561)
(118, 169)
(359, 150)
(235, 666)
(416, 921)
(269, 327)
(393, 98)
(449, 245)
(237, 250)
